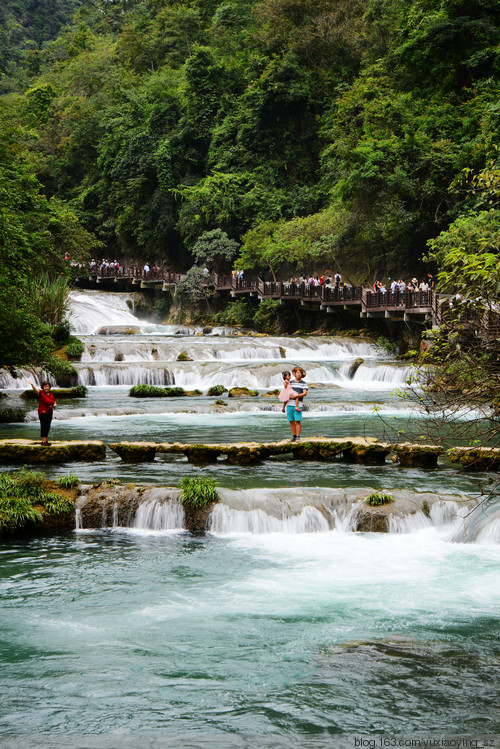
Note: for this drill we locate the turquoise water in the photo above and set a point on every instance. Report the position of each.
(308, 634)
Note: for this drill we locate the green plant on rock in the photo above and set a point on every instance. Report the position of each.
(198, 492)
(69, 481)
(16, 512)
(379, 498)
(216, 390)
(56, 504)
(147, 391)
(20, 493)
(62, 370)
(75, 348)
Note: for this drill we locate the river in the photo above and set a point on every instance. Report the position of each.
(273, 624)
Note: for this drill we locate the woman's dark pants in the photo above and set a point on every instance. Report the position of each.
(45, 420)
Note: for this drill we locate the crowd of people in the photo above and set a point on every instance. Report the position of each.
(393, 285)
(102, 266)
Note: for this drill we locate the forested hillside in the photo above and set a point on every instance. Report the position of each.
(337, 134)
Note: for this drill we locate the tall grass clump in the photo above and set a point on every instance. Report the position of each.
(49, 298)
(69, 481)
(198, 492)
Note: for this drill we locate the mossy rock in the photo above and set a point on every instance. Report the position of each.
(184, 357)
(372, 520)
(317, 450)
(193, 393)
(220, 402)
(242, 392)
(134, 452)
(271, 394)
(80, 391)
(196, 518)
(476, 459)
(28, 451)
(369, 455)
(418, 456)
(245, 456)
(200, 454)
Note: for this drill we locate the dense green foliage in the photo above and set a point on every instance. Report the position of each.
(338, 134)
(198, 492)
(22, 494)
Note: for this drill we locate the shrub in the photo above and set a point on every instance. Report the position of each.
(56, 504)
(174, 392)
(61, 331)
(75, 348)
(19, 492)
(11, 415)
(216, 390)
(147, 391)
(379, 498)
(162, 306)
(411, 354)
(69, 482)
(62, 370)
(199, 492)
(236, 313)
(266, 316)
(390, 346)
(16, 512)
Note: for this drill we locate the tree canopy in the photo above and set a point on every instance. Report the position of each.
(340, 134)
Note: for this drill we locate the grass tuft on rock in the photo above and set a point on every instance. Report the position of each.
(379, 498)
(69, 481)
(198, 492)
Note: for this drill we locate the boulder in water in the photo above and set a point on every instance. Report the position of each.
(242, 392)
(355, 365)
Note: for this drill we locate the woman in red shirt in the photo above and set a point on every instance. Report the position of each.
(46, 405)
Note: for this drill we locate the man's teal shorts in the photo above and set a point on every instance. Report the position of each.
(292, 414)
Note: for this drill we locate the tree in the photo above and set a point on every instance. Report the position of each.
(214, 249)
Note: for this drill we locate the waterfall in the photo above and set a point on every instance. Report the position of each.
(90, 311)
(481, 525)
(104, 375)
(408, 523)
(159, 516)
(225, 520)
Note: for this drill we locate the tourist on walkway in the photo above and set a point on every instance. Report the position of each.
(294, 411)
(46, 405)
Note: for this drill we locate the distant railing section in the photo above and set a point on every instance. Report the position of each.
(394, 300)
(135, 272)
(441, 307)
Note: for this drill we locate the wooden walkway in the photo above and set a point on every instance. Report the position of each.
(397, 305)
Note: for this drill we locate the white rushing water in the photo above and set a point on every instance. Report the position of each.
(307, 510)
